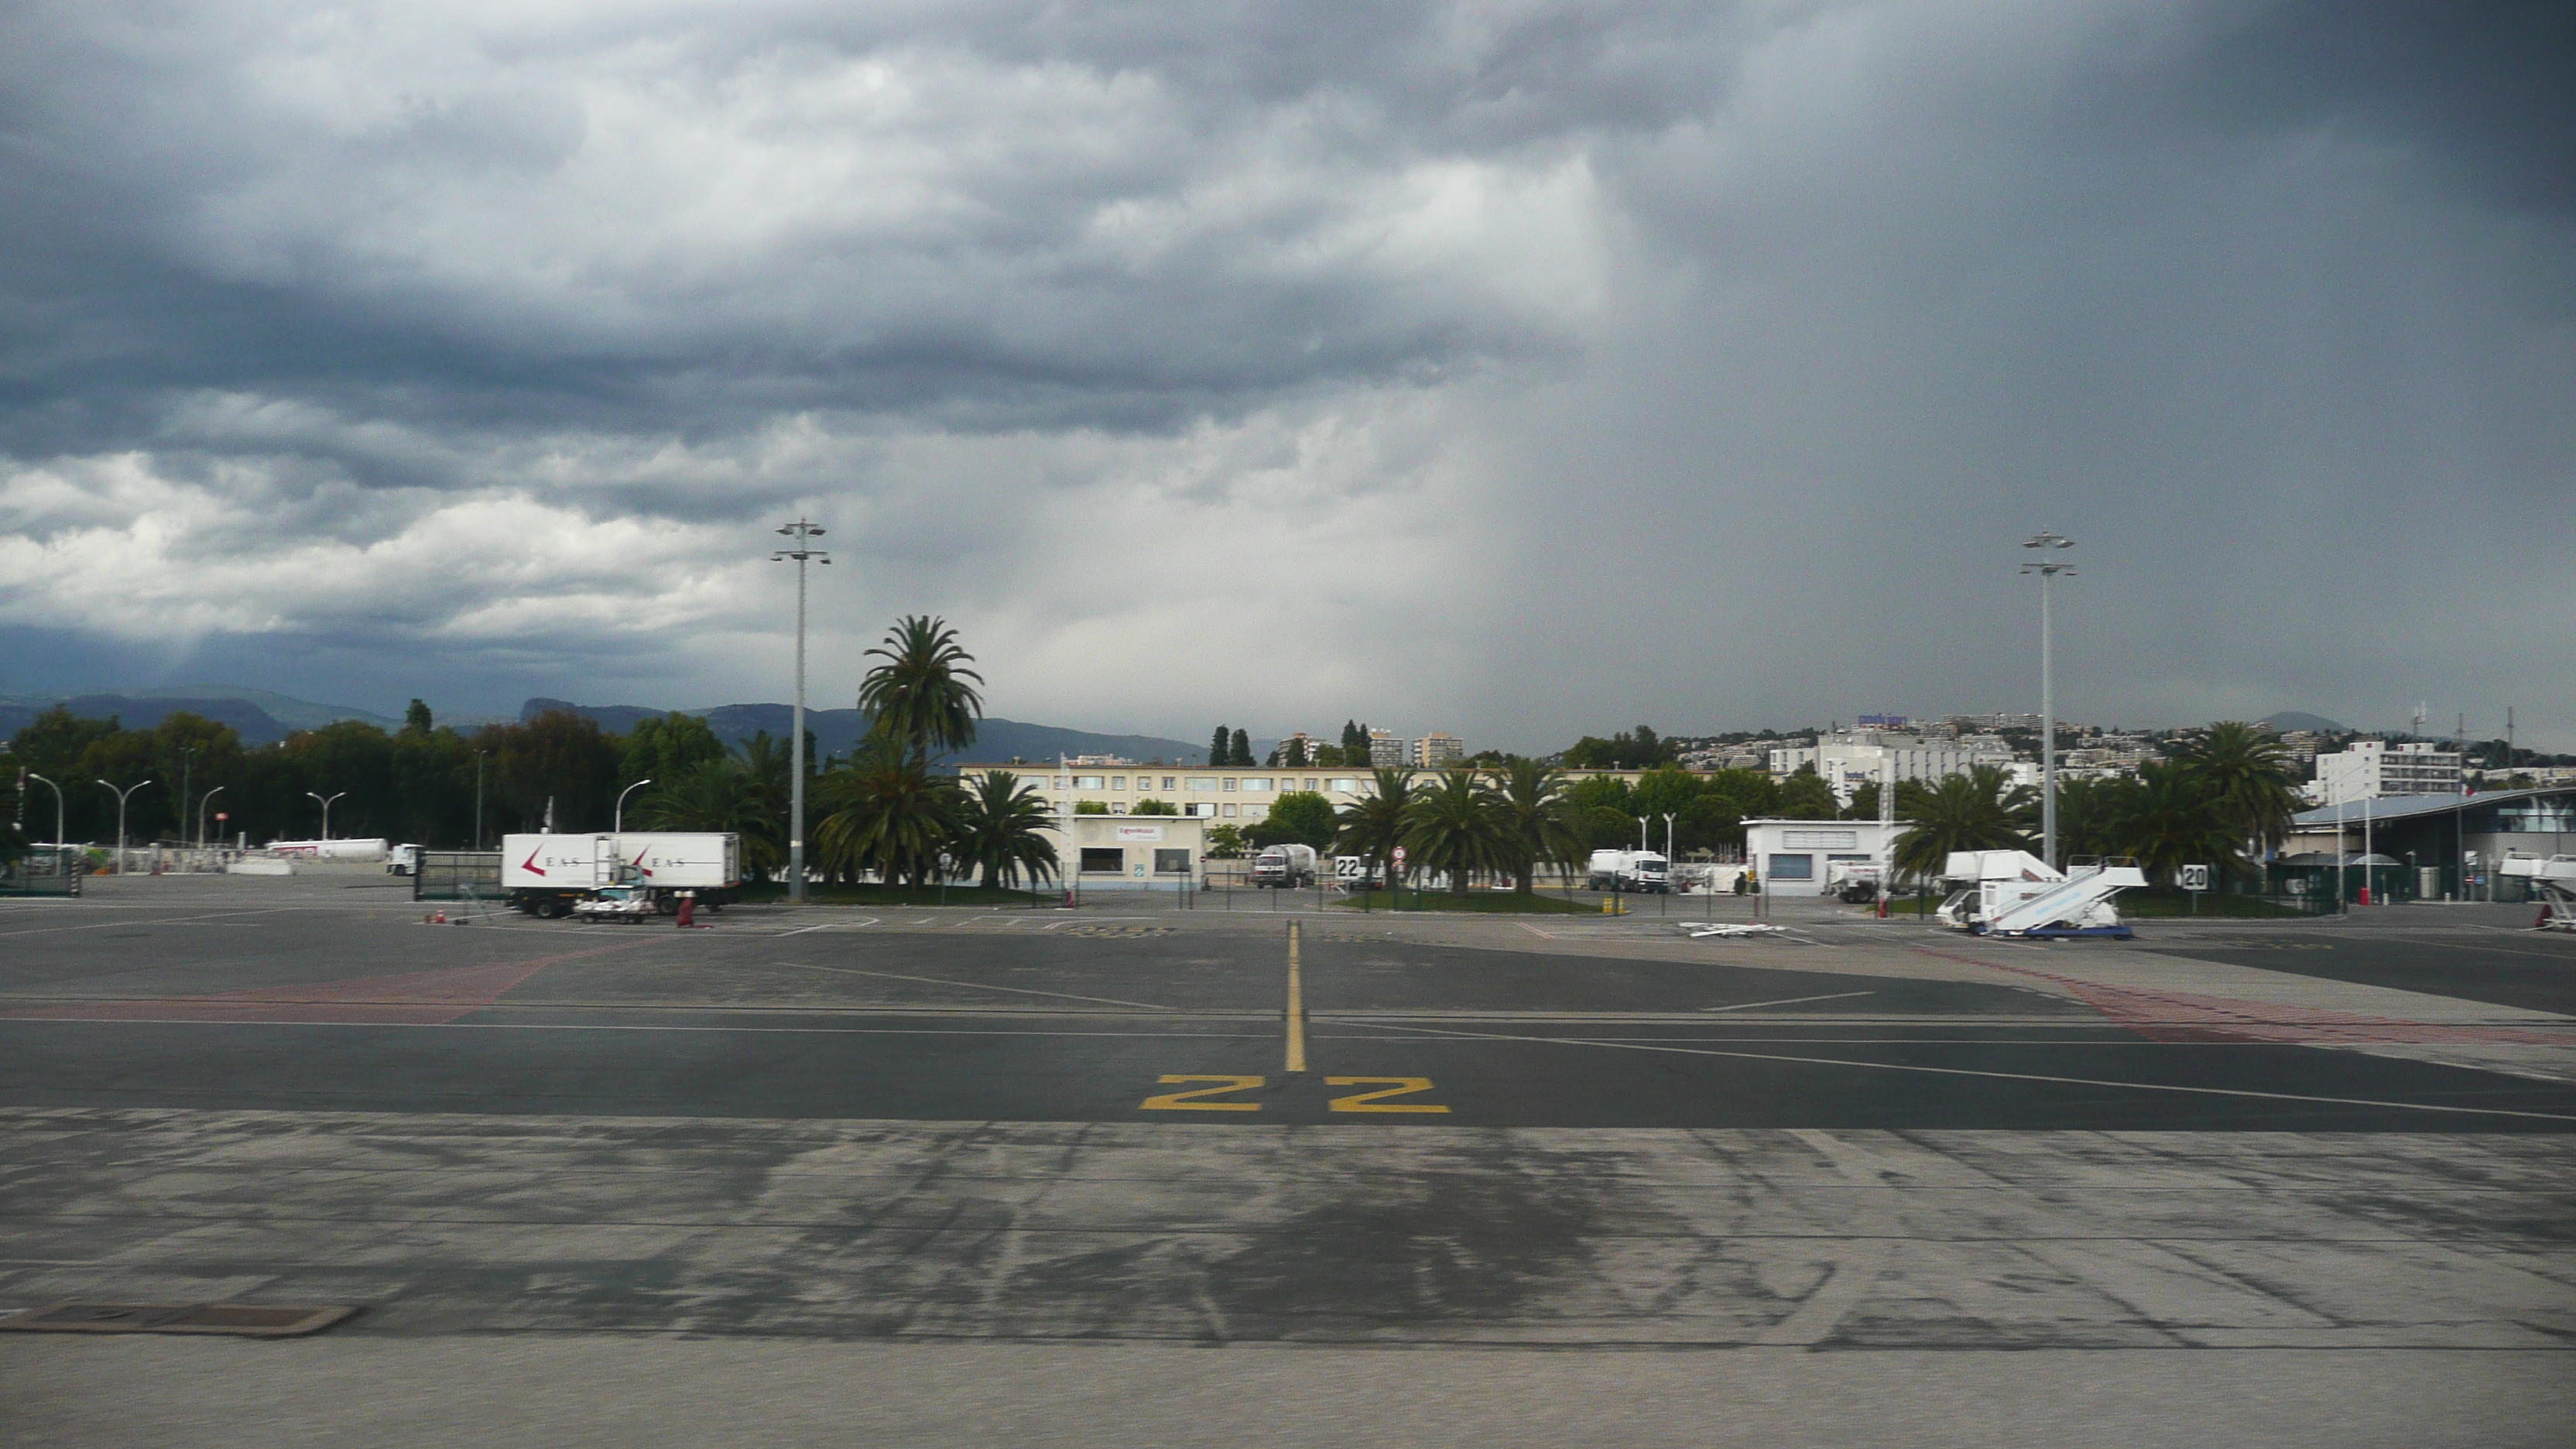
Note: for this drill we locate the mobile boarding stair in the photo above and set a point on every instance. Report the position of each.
(2555, 881)
(2015, 893)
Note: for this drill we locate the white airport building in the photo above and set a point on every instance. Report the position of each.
(1797, 857)
(2370, 769)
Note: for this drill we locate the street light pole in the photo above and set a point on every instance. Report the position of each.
(201, 814)
(326, 812)
(2047, 570)
(478, 797)
(58, 808)
(620, 826)
(801, 536)
(121, 797)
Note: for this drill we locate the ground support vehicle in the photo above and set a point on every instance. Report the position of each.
(2554, 880)
(1284, 867)
(402, 860)
(1853, 882)
(628, 904)
(670, 863)
(2015, 893)
(1639, 872)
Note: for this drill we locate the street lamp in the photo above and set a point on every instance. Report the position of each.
(326, 812)
(478, 797)
(801, 536)
(121, 797)
(201, 814)
(620, 826)
(2047, 568)
(58, 807)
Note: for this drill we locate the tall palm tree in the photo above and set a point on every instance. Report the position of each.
(2245, 770)
(1540, 823)
(722, 796)
(1457, 826)
(886, 813)
(2175, 820)
(765, 760)
(1373, 825)
(919, 697)
(1980, 810)
(1000, 825)
(2090, 812)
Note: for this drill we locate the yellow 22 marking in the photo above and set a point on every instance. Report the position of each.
(1189, 1101)
(1373, 1101)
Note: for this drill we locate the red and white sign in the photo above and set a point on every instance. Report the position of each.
(1399, 857)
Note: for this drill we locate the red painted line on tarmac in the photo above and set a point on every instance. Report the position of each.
(417, 998)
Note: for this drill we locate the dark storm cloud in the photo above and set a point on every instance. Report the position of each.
(486, 336)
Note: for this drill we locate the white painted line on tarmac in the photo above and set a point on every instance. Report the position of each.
(2009, 1076)
(1788, 1001)
(163, 921)
(1263, 1035)
(976, 985)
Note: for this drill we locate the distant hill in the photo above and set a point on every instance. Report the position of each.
(255, 725)
(2290, 719)
(836, 731)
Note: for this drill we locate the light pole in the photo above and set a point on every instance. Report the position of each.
(58, 808)
(478, 797)
(620, 826)
(801, 536)
(326, 812)
(201, 814)
(2047, 568)
(121, 797)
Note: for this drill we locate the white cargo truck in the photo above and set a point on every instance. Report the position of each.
(1642, 872)
(1284, 866)
(546, 875)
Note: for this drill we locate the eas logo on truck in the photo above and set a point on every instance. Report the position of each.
(531, 866)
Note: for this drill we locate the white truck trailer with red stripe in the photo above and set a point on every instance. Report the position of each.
(545, 875)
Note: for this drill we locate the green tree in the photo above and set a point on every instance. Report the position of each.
(2175, 818)
(1980, 810)
(1221, 748)
(416, 718)
(1241, 753)
(1457, 826)
(885, 813)
(1541, 823)
(1373, 825)
(1753, 793)
(720, 796)
(2244, 771)
(1090, 807)
(1001, 830)
(1224, 842)
(1806, 796)
(1151, 806)
(667, 748)
(1299, 817)
(919, 697)
(559, 756)
(2092, 814)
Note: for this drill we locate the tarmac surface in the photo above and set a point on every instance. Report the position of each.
(2324, 1158)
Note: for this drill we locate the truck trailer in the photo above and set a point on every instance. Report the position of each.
(1284, 866)
(546, 875)
(1642, 872)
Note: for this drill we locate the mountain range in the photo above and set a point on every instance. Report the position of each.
(835, 731)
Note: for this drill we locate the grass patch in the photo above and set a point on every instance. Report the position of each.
(2162, 904)
(884, 895)
(1481, 902)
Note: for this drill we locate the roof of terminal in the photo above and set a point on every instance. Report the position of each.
(2400, 807)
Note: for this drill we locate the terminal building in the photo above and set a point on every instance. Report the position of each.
(2448, 844)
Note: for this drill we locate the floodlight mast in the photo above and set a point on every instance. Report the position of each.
(800, 549)
(2046, 569)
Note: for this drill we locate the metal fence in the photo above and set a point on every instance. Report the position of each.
(44, 871)
(457, 875)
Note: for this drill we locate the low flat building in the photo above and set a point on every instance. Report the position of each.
(2458, 838)
(1107, 852)
(1797, 857)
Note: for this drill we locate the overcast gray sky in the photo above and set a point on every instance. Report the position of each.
(1519, 369)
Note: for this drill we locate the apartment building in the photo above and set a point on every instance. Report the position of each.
(1233, 793)
(2367, 769)
(1438, 751)
(1849, 759)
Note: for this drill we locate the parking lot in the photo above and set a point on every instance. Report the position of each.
(2345, 1141)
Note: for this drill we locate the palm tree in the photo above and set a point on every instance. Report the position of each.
(2174, 820)
(1541, 824)
(1980, 810)
(1457, 826)
(718, 795)
(1000, 825)
(2245, 772)
(919, 697)
(1373, 825)
(2090, 814)
(886, 813)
